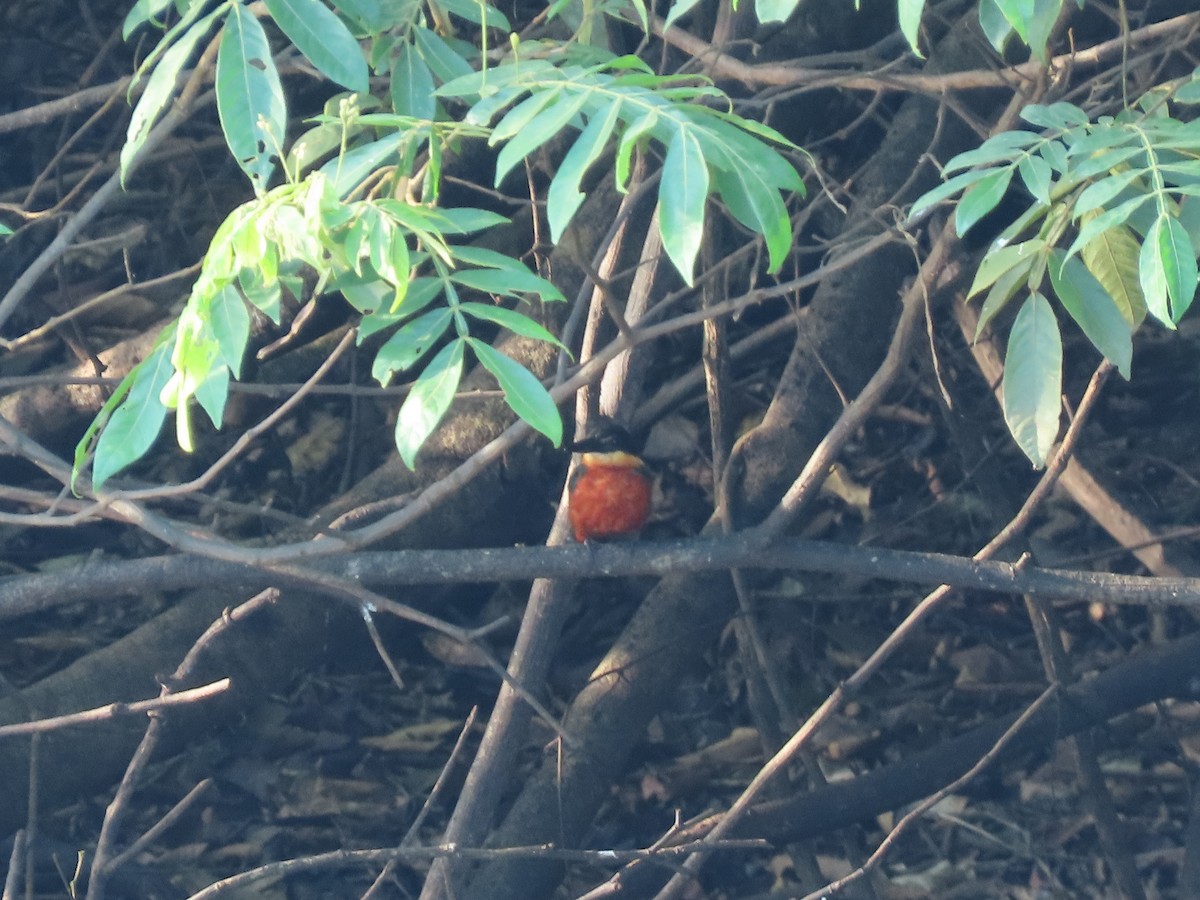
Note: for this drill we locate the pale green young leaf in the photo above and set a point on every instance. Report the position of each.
(981, 199)
(160, 88)
(1032, 382)
(428, 401)
(324, 40)
(1090, 305)
(564, 197)
(135, 424)
(404, 348)
(544, 126)
(527, 396)
(682, 194)
(250, 97)
(412, 84)
(510, 319)
(1112, 257)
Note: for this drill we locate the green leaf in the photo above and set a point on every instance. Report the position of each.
(324, 40)
(160, 88)
(682, 194)
(981, 200)
(412, 84)
(1032, 382)
(1093, 310)
(404, 348)
(1035, 172)
(946, 189)
(1098, 193)
(1167, 267)
(1058, 116)
(510, 319)
(231, 326)
(143, 11)
(1112, 258)
(1001, 259)
(1110, 218)
(544, 126)
(369, 13)
(910, 23)
(212, 394)
(999, 148)
(136, 423)
(250, 97)
(995, 27)
(679, 8)
(1001, 293)
(775, 10)
(564, 197)
(526, 395)
(445, 63)
(348, 171)
(428, 401)
(507, 282)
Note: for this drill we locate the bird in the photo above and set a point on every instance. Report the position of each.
(609, 492)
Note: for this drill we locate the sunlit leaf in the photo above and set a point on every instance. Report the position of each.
(681, 200)
(404, 348)
(526, 395)
(428, 401)
(510, 319)
(1113, 258)
(323, 39)
(1032, 383)
(250, 97)
(136, 423)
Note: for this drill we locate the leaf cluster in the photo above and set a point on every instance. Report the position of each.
(1112, 227)
(359, 206)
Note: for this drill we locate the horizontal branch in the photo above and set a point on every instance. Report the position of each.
(24, 594)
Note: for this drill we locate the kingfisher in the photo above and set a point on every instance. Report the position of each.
(609, 493)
